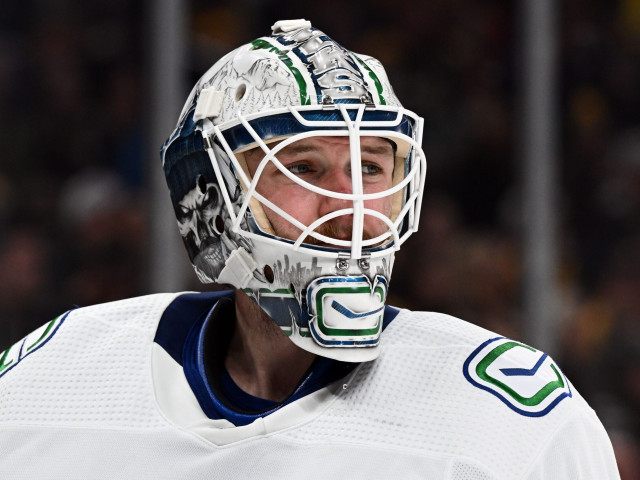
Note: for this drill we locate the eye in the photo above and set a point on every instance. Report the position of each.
(370, 169)
(299, 168)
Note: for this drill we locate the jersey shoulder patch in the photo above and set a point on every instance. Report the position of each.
(527, 380)
(29, 344)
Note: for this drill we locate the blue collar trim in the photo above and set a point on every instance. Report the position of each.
(186, 332)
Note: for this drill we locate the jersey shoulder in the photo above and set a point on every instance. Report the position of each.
(522, 378)
(138, 312)
(448, 388)
(84, 360)
(139, 309)
(433, 330)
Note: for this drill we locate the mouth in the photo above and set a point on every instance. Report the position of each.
(319, 243)
(333, 231)
(309, 240)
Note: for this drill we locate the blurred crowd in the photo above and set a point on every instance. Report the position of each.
(74, 169)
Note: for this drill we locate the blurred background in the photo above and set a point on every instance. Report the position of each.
(81, 124)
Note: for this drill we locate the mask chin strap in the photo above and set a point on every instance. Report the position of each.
(238, 269)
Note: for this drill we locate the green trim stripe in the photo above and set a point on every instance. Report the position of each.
(374, 77)
(304, 332)
(44, 334)
(261, 44)
(4, 358)
(47, 333)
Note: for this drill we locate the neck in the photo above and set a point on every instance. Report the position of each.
(261, 359)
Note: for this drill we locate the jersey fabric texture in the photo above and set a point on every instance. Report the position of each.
(93, 395)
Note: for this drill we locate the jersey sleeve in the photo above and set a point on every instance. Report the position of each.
(580, 449)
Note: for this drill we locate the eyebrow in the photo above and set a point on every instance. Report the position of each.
(371, 150)
(298, 148)
(381, 150)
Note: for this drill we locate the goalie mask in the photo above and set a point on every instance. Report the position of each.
(270, 132)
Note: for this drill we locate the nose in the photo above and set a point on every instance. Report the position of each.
(339, 181)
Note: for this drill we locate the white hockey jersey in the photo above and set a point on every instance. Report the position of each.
(92, 396)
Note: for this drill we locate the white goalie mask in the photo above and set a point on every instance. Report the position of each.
(290, 92)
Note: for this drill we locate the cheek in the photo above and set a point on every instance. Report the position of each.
(374, 226)
(382, 205)
(297, 202)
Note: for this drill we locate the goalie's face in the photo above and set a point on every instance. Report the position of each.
(325, 162)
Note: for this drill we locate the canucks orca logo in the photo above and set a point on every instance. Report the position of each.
(525, 379)
(346, 310)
